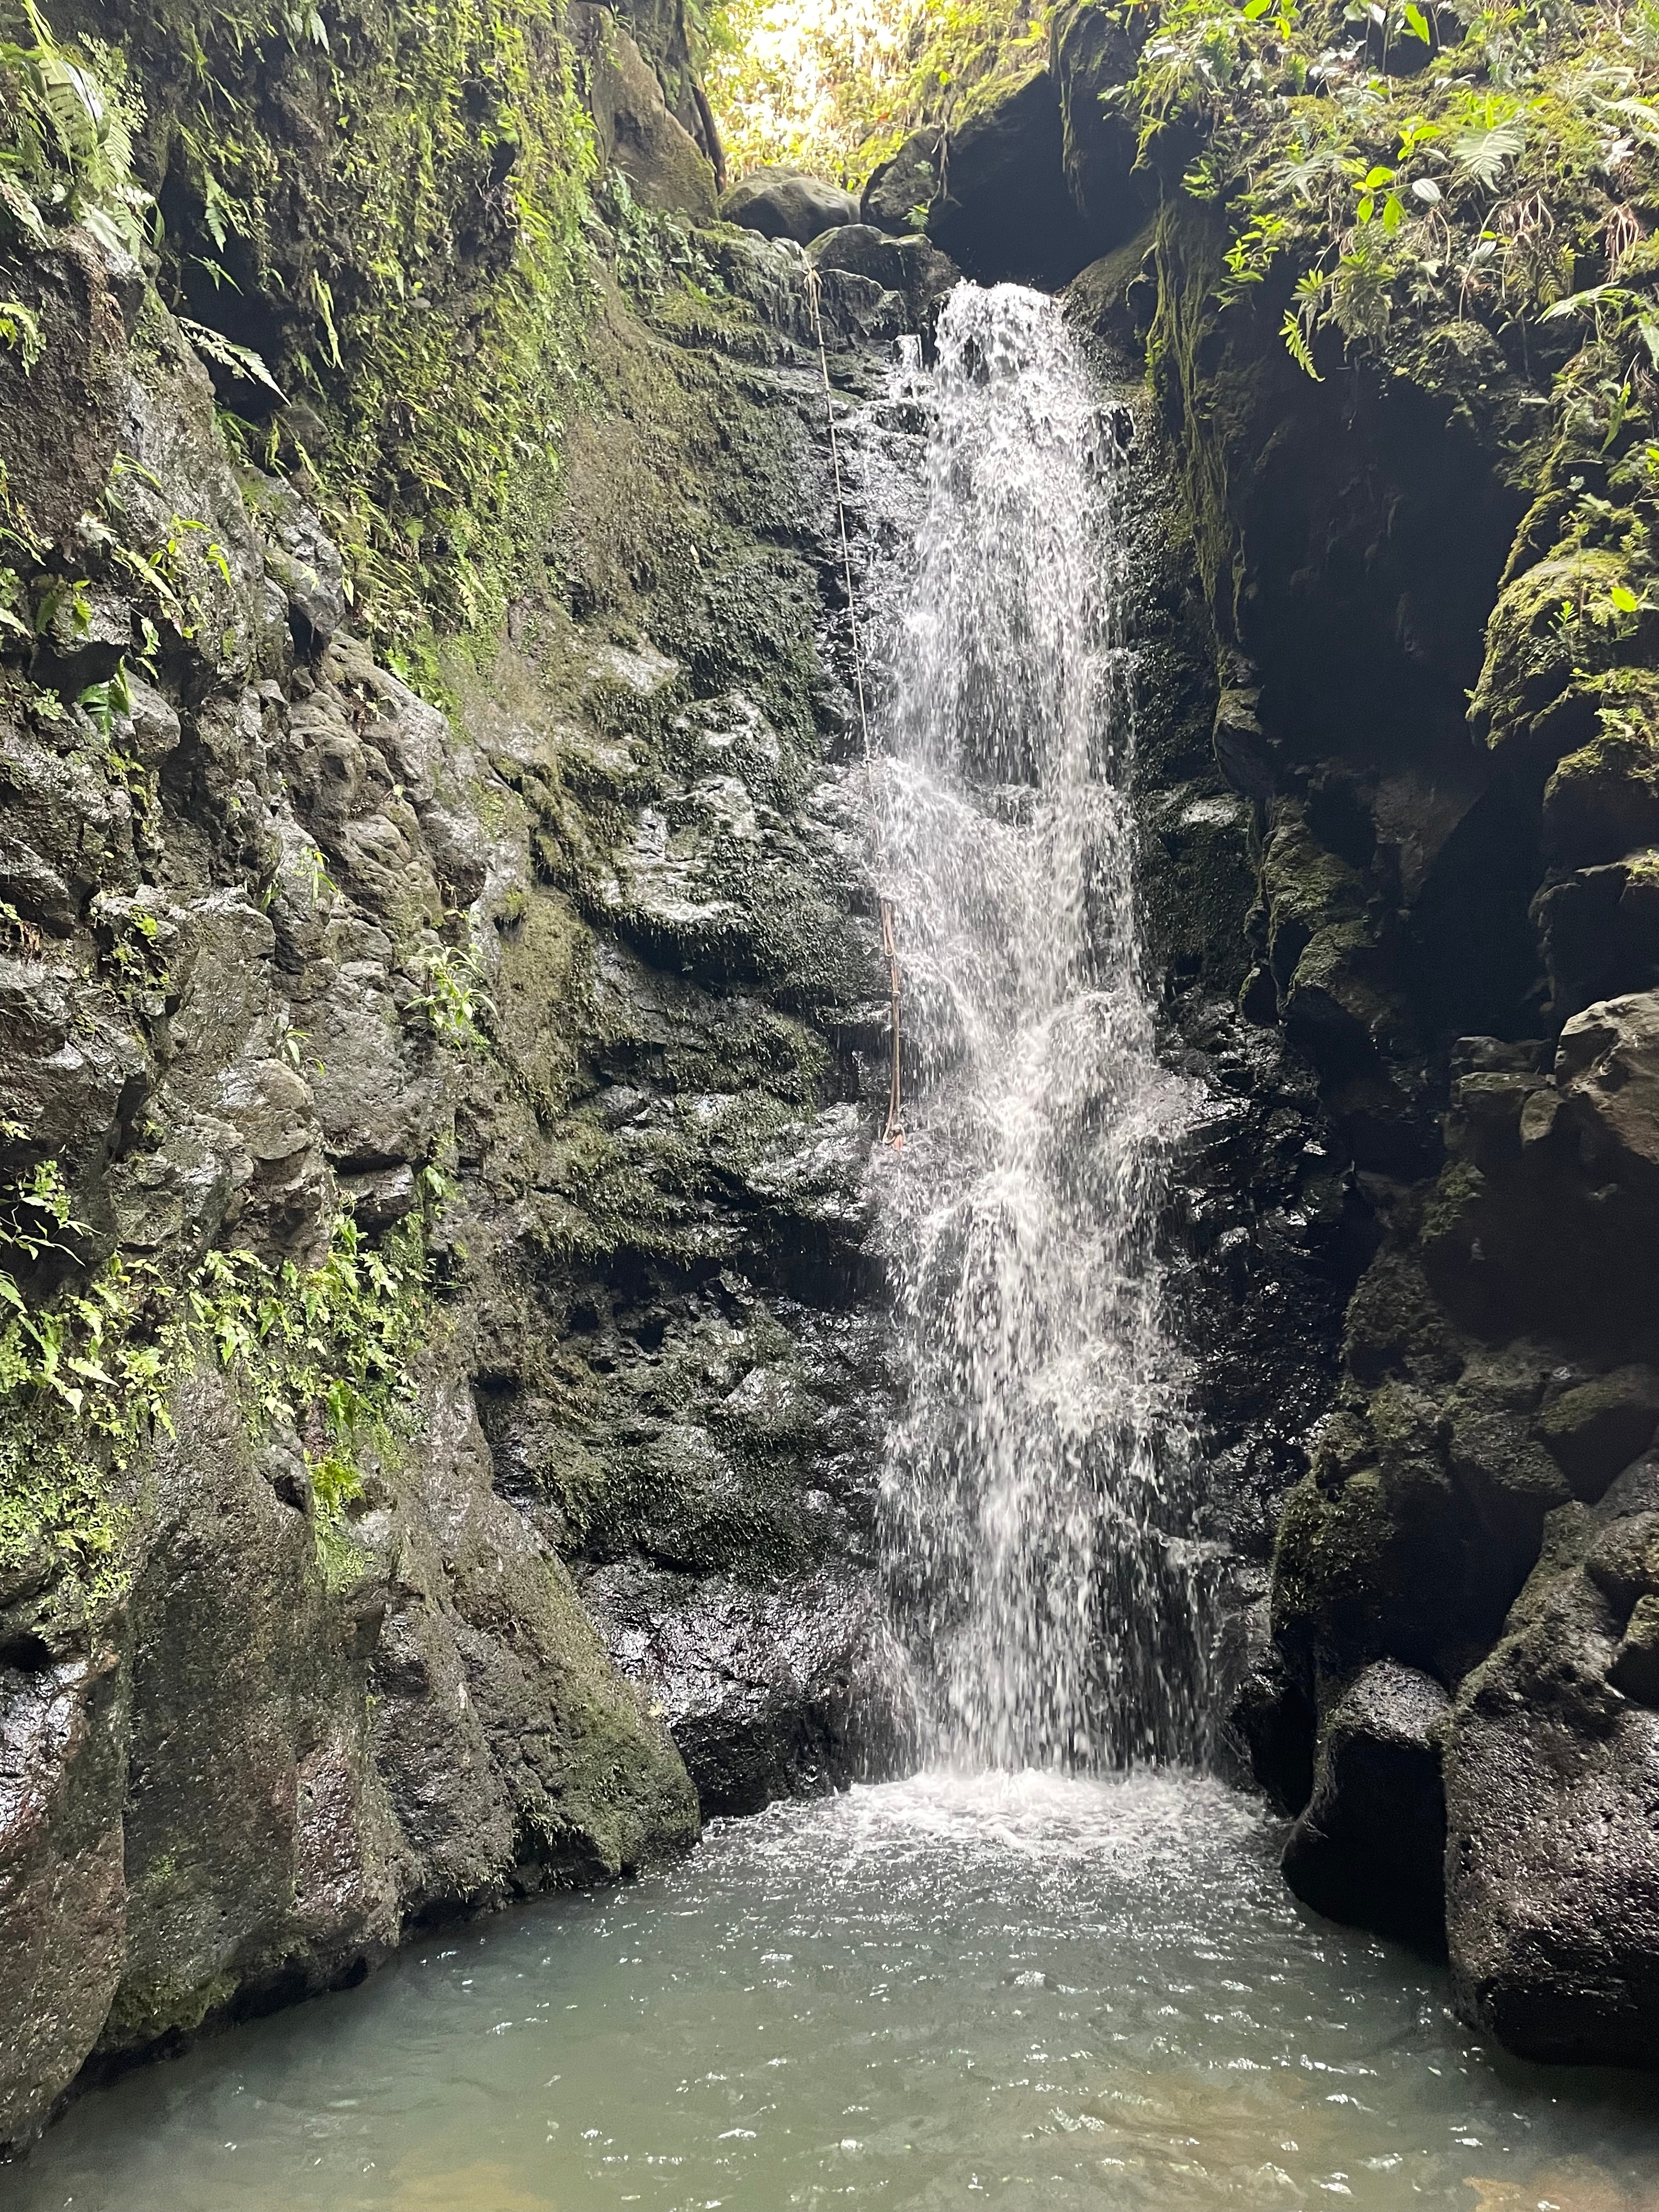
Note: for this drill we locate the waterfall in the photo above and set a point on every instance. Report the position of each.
(1039, 1488)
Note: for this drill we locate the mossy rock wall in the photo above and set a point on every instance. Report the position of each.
(436, 1121)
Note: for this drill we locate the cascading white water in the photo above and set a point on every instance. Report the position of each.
(1039, 1489)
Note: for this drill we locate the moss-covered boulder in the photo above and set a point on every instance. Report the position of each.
(1595, 1430)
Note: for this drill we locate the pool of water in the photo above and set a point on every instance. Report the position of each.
(1017, 1990)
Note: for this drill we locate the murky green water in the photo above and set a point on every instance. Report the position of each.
(1027, 1992)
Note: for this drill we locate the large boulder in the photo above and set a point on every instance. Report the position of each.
(1596, 1430)
(1607, 1071)
(1603, 799)
(759, 1687)
(913, 267)
(1369, 1846)
(1551, 1773)
(788, 203)
(637, 134)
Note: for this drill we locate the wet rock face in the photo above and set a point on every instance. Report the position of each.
(1552, 1884)
(1479, 1509)
(1444, 815)
(63, 1889)
(767, 1691)
(1036, 179)
(1261, 1239)
(555, 1010)
(911, 266)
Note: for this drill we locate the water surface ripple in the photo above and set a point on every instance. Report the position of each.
(1040, 1991)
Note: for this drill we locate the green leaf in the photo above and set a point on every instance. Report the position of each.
(1576, 302)
(111, 234)
(23, 211)
(1624, 599)
(1416, 23)
(1480, 155)
(1296, 344)
(240, 359)
(20, 329)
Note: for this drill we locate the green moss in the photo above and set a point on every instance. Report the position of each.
(1406, 1427)
(65, 1514)
(1395, 1321)
(1603, 798)
(390, 213)
(1204, 393)
(1456, 1194)
(86, 1381)
(144, 2013)
(1330, 1570)
(1551, 624)
(1307, 889)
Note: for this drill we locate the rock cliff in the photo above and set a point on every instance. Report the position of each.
(439, 1413)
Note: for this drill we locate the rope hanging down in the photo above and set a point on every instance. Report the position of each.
(893, 1134)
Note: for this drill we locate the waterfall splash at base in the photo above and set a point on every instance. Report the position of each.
(1039, 1495)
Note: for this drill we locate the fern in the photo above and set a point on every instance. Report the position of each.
(67, 147)
(1480, 155)
(1296, 344)
(240, 360)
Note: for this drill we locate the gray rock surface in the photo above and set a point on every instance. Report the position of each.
(788, 203)
(768, 1693)
(508, 1032)
(1551, 1767)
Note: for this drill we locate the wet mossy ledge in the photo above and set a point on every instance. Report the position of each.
(438, 1000)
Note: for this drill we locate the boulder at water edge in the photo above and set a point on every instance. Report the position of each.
(1552, 1778)
(1369, 1846)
